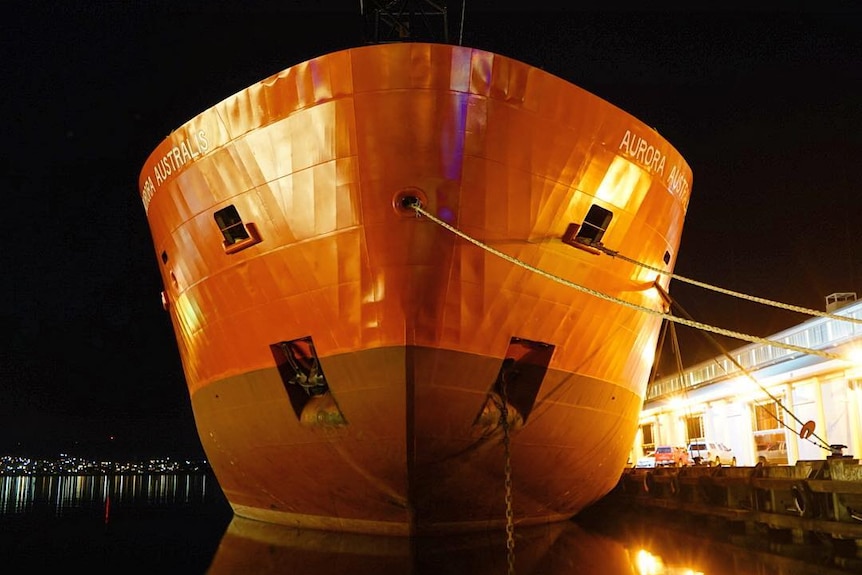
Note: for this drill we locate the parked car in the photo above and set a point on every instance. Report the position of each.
(647, 461)
(773, 454)
(673, 456)
(711, 453)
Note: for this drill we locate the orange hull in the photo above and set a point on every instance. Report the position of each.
(345, 356)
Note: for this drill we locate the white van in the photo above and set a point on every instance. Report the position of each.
(711, 453)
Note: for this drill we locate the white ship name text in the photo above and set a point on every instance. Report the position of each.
(186, 150)
(678, 185)
(650, 157)
(643, 152)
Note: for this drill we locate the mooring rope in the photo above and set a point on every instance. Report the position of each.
(820, 442)
(694, 324)
(769, 302)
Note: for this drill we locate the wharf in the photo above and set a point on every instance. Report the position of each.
(811, 503)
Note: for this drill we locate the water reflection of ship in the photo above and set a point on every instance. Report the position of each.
(250, 546)
(600, 544)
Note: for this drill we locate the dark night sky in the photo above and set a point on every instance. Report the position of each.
(765, 106)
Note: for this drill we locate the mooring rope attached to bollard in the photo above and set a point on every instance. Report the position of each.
(676, 319)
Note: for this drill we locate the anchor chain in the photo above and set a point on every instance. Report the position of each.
(510, 517)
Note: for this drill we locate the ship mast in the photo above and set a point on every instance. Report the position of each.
(408, 21)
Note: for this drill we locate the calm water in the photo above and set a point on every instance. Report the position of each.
(182, 524)
(169, 523)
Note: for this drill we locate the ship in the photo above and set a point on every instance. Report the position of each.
(391, 275)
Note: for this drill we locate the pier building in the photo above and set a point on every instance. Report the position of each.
(757, 398)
